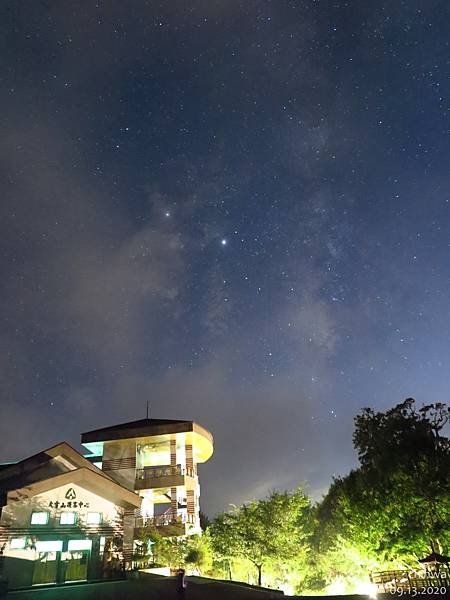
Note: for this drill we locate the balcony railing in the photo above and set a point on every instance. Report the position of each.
(164, 471)
(168, 518)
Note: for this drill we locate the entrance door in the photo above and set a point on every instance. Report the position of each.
(45, 568)
(76, 565)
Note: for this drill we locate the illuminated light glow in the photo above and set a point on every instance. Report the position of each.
(79, 545)
(223, 241)
(17, 543)
(337, 588)
(95, 449)
(288, 589)
(39, 518)
(51, 546)
(366, 588)
(93, 518)
(67, 518)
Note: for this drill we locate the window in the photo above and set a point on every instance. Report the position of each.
(67, 518)
(154, 455)
(79, 545)
(17, 543)
(51, 546)
(94, 518)
(102, 543)
(39, 518)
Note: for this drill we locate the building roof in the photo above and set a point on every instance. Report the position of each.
(62, 457)
(61, 463)
(140, 423)
(143, 428)
(87, 479)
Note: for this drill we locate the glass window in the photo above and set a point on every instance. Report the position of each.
(79, 545)
(52, 546)
(17, 543)
(94, 518)
(39, 518)
(154, 455)
(67, 518)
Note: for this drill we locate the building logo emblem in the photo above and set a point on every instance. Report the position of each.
(70, 494)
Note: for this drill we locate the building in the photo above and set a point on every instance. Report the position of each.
(158, 460)
(59, 518)
(67, 517)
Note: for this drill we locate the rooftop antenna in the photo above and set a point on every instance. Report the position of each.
(147, 410)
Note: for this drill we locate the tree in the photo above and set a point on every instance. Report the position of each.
(199, 553)
(405, 460)
(175, 552)
(397, 503)
(204, 521)
(161, 550)
(270, 531)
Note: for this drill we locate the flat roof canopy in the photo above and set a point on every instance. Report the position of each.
(200, 437)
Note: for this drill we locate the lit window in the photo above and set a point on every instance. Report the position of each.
(17, 543)
(52, 546)
(39, 518)
(93, 518)
(102, 543)
(67, 518)
(79, 545)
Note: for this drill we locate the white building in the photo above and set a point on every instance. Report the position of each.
(66, 517)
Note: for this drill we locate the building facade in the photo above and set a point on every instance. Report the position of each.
(67, 517)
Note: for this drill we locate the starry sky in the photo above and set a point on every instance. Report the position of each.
(235, 209)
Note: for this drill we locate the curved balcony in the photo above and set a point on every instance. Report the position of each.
(168, 518)
(168, 524)
(163, 476)
(164, 471)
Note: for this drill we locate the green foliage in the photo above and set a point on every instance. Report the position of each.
(170, 552)
(383, 515)
(159, 550)
(145, 545)
(199, 553)
(193, 551)
(204, 521)
(405, 462)
(266, 532)
(389, 511)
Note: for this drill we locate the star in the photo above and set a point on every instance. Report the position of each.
(355, 282)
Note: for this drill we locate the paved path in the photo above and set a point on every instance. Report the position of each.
(164, 588)
(145, 589)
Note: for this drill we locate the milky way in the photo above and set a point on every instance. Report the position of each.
(238, 211)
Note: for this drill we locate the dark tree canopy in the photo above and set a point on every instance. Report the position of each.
(396, 505)
(402, 437)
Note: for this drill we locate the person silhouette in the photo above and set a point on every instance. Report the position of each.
(181, 583)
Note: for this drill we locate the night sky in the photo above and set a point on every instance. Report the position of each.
(237, 210)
